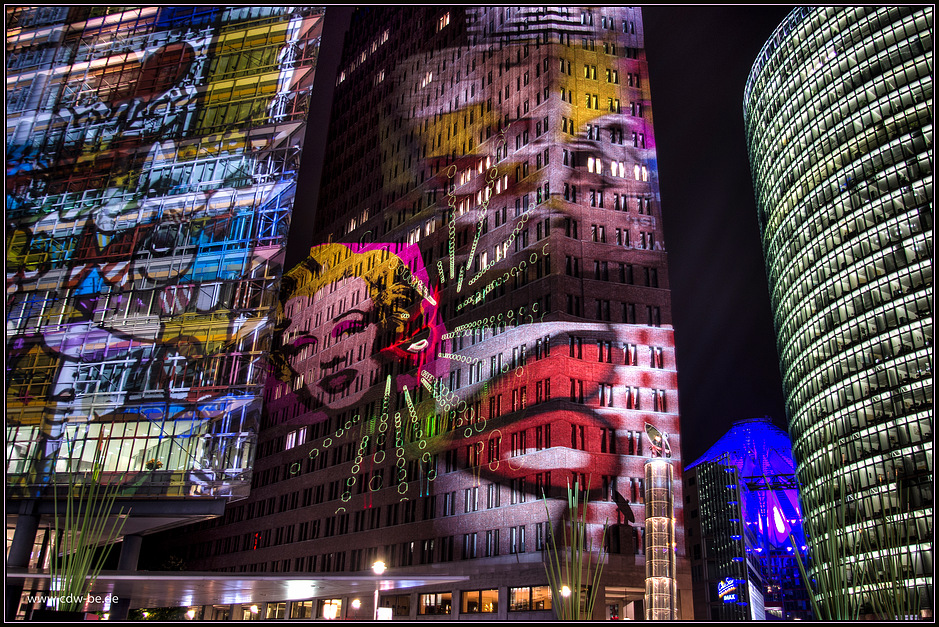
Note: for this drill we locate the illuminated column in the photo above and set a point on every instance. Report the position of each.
(661, 599)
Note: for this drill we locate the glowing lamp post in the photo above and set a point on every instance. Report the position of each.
(378, 568)
(565, 600)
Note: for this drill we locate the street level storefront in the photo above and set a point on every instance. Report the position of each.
(219, 596)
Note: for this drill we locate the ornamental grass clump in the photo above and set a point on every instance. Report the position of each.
(572, 565)
(858, 563)
(76, 561)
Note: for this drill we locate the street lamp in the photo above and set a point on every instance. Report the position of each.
(378, 568)
(356, 604)
(565, 594)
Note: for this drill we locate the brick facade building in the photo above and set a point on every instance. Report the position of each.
(484, 319)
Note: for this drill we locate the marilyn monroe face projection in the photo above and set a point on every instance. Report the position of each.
(349, 314)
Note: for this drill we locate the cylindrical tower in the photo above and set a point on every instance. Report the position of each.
(661, 598)
(838, 111)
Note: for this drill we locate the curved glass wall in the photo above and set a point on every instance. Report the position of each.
(838, 111)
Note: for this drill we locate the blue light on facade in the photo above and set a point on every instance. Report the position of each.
(757, 526)
(761, 456)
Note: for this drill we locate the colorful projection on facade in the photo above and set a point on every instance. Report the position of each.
(762, 457)
(454, 154)
(355, 318)
(152, 161)
(525, 388)
(366, 359)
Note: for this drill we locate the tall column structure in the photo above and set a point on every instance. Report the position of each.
(839, 119)
(661, 597)
(484, 318)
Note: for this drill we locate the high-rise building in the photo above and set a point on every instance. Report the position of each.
(483, 320)
(744, 526)
(839, 128)
(152, 161)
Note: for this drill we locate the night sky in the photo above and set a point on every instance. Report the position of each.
(728, 366)
(699, 60)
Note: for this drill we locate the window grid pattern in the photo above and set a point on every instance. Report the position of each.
(143, 246)
(839, 130)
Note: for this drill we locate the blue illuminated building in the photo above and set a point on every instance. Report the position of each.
(743, 516)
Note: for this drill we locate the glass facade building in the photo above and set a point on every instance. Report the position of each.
(152, 164)
(839, 119)
(745, 526)
(152, 157)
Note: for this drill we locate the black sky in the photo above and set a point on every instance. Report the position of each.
(699, 59)
(728, 367)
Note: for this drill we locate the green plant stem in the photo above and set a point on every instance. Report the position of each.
(805, 579)
(575, 567)
(76, 562)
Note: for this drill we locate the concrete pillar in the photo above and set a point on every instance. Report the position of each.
(24, 538)
(130, 554)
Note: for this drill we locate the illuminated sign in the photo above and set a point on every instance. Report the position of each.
(727, 590)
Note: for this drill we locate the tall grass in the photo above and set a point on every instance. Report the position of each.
(856, 563)
(76, 561)
(572, 563)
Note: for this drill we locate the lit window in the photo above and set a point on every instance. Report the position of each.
(436, 603)
(295, 438)
(480, 601)
(529, 598)
(517, 539)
